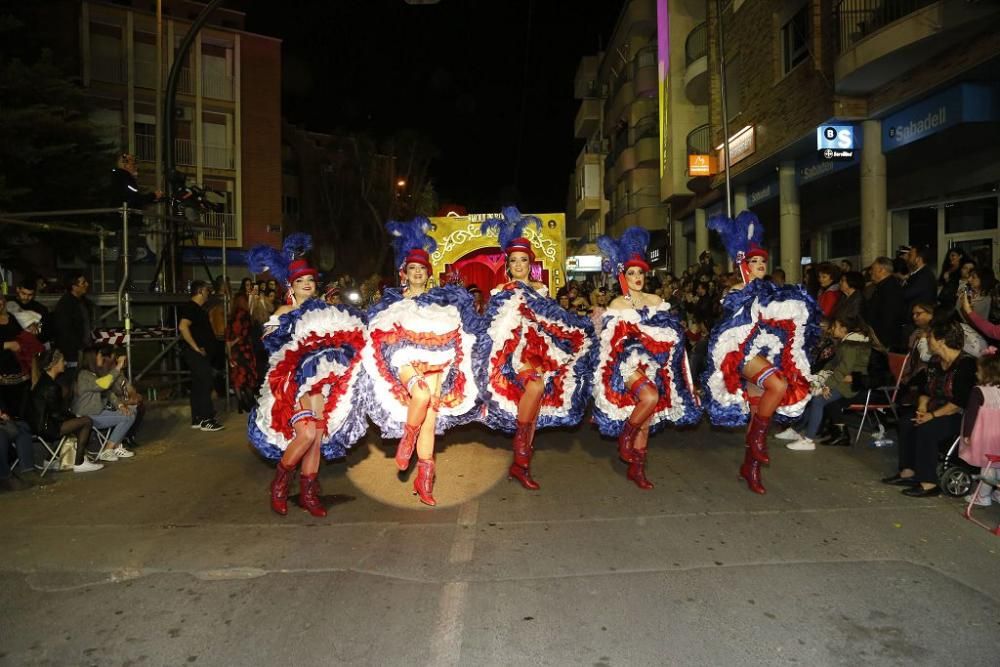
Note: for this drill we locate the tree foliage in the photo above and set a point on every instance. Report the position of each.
(51, 155)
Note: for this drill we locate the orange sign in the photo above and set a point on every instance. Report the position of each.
(702, 165)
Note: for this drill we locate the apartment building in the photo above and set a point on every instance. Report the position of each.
(227, 117)
(913, 83)
(642, 102)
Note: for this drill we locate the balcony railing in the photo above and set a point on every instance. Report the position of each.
(185, 81)
(696, 45)
(184, 151)
(218, 223)
(857, 19)
(699, 140)
(647, 126)
(145, 74)
(646, 57)
(111, 70)
(145, 147)
(217, 86)
(218, 157)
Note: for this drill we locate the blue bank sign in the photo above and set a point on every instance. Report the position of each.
(964, 103)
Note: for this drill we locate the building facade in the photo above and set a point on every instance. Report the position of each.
(643, 101)
(914, 83)
(227, 116)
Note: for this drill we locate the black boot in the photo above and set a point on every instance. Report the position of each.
(839, 436)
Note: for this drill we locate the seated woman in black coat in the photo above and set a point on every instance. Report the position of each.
(48, 415)
(937, 419)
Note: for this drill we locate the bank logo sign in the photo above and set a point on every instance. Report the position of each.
(835, 142)
(964, 103)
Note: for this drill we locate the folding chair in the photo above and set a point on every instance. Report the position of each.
(897, 366)
(992, 462)
(103, 435)
(54, 452)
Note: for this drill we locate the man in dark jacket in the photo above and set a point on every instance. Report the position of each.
(885, 309)
(921, 285)
(125, 187)
(71, 324)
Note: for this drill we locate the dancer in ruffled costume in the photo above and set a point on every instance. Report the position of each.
(310, 404)
(757, 363)
(419, 356)
(643, 381)
(534, 363)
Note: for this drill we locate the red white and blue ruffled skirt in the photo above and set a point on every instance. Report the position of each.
(525, 329)
(650, 341)
(778, 323)
(316, 349)
(434, 333)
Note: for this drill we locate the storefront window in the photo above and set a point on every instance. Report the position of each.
(970, 216)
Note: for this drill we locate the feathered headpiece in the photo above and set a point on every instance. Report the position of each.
(411, 242)
(285, 265)
(629, 250)
(510, 230)
(742, 237)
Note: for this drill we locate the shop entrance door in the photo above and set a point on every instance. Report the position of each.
(981, 248)
(971, 226)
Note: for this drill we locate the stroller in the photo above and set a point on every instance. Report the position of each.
(955, 475)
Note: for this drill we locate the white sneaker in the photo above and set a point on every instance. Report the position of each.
(981, 501)
(108, 455)
(87, 466)
(123, 453)
(802, 445)
(788, 434)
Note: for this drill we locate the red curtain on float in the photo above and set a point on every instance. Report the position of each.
(486, 268)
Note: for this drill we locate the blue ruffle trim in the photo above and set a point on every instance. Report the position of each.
(737, 308)
(495, 416)
(610, 427)
(472, 323)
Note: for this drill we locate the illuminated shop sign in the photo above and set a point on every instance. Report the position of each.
(964, 103)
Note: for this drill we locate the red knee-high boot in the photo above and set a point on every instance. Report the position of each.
(626, 442)
(309, 495)
(523, 451)
(423, 485)
(279, 488)
(757, 438)
(637, 469)
(750, 471)
(404, 451)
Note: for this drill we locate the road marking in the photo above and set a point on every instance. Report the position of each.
(465, 533)
(446, 644)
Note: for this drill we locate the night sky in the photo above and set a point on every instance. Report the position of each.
(489, 83)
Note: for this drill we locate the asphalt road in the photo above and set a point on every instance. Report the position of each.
(174, 558)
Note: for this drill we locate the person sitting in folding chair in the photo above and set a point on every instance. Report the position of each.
(93, 391)
(48, 417)
(944, 393)
(16, 434)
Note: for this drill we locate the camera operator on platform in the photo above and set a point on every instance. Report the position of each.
(125, 187)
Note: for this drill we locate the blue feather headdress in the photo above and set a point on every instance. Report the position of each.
(265, 259)
(510, 226)
(632, 242)
(296, 245)
(739, 235)
(408, 235)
